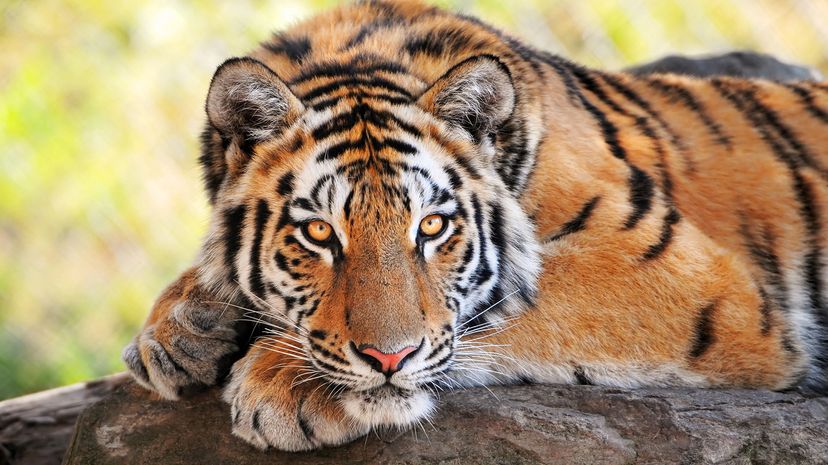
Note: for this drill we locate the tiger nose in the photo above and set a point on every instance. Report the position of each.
(383, 362)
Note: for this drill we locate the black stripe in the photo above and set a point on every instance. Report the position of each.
(782, 141)
(642, 103)
(771, 120)
(303, 203)
(282, 264)
(703, 336)
(666, 237)
(581, 377)
(284, 217)
(448, 40)
(337, 150)
(336, 125)
(806, 97)
(361, 64)
(454, 178)
(295, 48)
(262, 215)
(609, 130)
(764, 255)
(391, 99)
(643, 124)
(292, 241)
(285, 185)
(307, 431)
(233, 226)
(347, 207)
(483, 271)
(368, 30)
(377, 82)
(317, 188)
(257, 426)
(679, 94)
(642, 191)
(400, 146)
(578, 223)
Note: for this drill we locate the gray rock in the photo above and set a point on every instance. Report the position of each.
(509, 425)
(737, 64)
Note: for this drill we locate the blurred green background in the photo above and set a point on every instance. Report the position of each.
(100, 108)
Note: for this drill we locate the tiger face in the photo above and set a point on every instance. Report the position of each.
(376, 231)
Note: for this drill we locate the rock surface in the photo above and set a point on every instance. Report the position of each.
(738, 64)
(509, 425)
(35, 429)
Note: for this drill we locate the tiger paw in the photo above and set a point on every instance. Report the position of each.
(276, 401)
(188, 340)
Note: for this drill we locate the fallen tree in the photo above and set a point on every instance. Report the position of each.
(509, 425)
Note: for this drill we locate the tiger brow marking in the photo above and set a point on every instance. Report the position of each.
(578, 223)
(703, 336)
(371, 64)
(285, 184)
(374, 81)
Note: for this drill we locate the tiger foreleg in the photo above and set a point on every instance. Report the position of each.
(190, 339)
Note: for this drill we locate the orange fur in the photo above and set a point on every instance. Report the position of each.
(677, 223)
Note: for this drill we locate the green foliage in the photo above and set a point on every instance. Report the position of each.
(101, 104)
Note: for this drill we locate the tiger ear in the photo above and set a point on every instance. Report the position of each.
(249, 103)
(246, 104)
(476, 95)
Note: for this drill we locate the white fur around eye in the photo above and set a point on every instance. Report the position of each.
(430, 246)
(323, 252)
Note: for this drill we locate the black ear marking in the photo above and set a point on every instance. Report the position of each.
(476, 95)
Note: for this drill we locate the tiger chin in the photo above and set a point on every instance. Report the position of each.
(405, 200)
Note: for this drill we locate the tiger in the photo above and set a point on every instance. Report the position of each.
(406, 200)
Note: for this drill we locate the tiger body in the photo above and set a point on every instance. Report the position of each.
(599, 228)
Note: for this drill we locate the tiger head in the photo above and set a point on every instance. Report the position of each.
(372, 225)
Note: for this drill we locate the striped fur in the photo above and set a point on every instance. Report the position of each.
(602, 228)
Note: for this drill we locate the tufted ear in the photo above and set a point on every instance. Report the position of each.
(476, 95)
(247, 104)
(247, 101)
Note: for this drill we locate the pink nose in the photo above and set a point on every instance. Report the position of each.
(386, 363)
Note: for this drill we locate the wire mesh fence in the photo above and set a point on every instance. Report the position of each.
(101, 104)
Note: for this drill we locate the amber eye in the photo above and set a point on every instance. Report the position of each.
(318, 230)
(432, 225)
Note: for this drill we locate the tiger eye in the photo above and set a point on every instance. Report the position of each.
(319, 230)
(431, 225)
